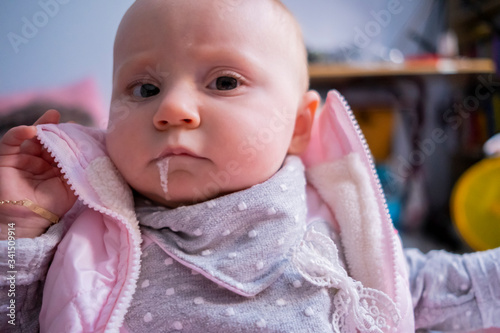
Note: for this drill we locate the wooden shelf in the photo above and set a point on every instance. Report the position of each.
(322, 72)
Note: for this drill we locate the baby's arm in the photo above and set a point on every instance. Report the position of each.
(27, 171)
(22, 280)
(455, 292)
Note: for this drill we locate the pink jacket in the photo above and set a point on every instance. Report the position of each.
(93, 276)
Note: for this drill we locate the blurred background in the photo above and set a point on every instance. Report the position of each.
(421, 78)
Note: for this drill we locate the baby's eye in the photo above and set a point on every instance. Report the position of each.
(224, 83)
(145, 90)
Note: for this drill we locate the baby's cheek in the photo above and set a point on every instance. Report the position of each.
(124, 116)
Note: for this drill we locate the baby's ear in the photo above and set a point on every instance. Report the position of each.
(304, 122)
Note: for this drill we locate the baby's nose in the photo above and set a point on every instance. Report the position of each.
(177, 108)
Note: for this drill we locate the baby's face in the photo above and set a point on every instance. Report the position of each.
(205, 98)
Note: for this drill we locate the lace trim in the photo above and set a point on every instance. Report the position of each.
(356, 308)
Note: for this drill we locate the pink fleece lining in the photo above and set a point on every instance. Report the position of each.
(336, 135)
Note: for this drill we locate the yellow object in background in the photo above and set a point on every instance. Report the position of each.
(475, 205)
(377, 126)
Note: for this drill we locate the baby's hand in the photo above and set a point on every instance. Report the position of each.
(27, 171)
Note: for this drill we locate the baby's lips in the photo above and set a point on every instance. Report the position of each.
(178, 151)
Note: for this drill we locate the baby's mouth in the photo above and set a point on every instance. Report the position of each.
(178, 151)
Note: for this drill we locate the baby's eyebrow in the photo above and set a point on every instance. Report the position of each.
(140, 63)
(248, 62)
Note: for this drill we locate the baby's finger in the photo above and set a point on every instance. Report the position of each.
(35, 148)
(31, 147)
(47, 156)
(49, 117)
(35, 166)
(12, 140)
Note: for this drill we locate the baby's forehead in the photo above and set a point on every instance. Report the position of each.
(265, 24)
(271, 14)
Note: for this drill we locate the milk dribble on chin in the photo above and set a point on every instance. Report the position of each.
(163, 170)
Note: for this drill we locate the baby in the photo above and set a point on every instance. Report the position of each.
(192, 212)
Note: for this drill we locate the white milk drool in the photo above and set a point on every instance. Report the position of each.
(163, 169)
